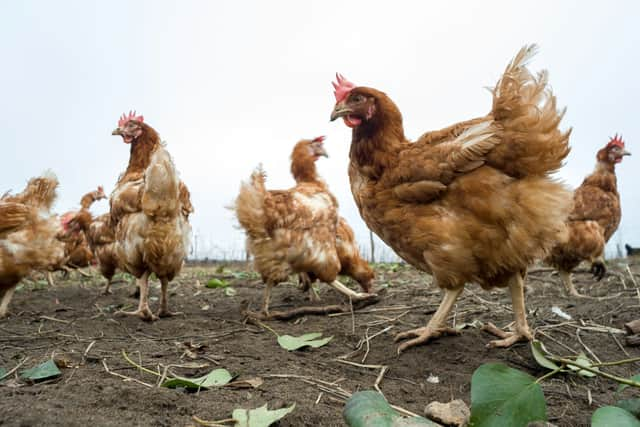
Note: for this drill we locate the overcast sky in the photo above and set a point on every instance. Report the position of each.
(232, 84)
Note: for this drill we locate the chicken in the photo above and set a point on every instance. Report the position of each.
(471, 203)
(594, 219)
(78, 254)
(28, 235)
(101, 240)
(303, 170)
(631, 251)
(292, 231)
(149, 210)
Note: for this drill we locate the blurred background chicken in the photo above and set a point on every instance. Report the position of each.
(292, 231)
(149, 214)
(28, 234)
(303, 169)
(77, 252)
(471, 203)
(595, 217)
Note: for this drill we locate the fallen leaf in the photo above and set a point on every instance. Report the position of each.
(312, 339)
(259, 417)
(215, 378)
(44, 371)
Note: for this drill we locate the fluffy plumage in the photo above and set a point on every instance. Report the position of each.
(149, 213)
(471, 203)
(291, 231)
(595, 217)
(28, 234)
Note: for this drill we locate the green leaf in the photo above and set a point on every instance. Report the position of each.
(635, 378)
(230, 292)
(215, 378)
(260, 417)
(505, 397)
(609, 416)
(3, 373)
(217, 283)
(41, 372)
(583, 360)
(370, 409)
(307, 340)
(631, 405)
(540, 354)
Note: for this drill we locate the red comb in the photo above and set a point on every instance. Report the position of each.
(65, 219)
(342, 87)
(318, 139)
(132, 116)
(616, 140)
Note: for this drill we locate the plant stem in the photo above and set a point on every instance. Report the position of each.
(619, 362)
(268, 328)
(594, 371)
(142, 368)
(549, 374)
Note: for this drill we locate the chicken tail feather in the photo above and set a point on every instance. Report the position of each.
(527, 119)
(161, 204)
(249, 206)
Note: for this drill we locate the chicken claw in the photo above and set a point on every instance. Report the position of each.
(598, 269)
(143, 313)
(164, 312)
(508, 338)
(423, 335)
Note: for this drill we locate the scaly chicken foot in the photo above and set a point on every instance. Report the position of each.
(305, 285)
(522, 331)
(6, 299)
(598, 269)
(570, 289)
(143, 311)
(107, 288)
(164, 301)
(355, 296)
(434, 328)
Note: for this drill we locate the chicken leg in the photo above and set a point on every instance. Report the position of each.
(570, 289)
(522, 332)
(143, 311)
(164, 303)
(435, 327)
(355, 296)
(266, 298)
(6, 299)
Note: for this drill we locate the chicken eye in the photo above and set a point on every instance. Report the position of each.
(357, 98)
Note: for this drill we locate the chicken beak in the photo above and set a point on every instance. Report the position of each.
(340, 110)
(117, 131)
(323, 153)
(626, 153)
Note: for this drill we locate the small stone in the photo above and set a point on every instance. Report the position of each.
(455, 413)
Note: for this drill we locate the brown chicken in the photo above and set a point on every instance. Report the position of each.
(471, 203)
(78, 254)
(292, 231)
(101, 240)
(303, 170)
(28, 235)
(595, 217)
(149, 214)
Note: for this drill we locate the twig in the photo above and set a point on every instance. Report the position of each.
(213, 423)
(88, 349)
(353, 317)
(140, 367)
(124, 377)
(22, 362)
(53, 319)
(633, 279)
(620, 345)
(376, 385)
(587, 348)
(618, 362)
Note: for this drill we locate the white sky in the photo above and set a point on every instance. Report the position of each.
(229, 85)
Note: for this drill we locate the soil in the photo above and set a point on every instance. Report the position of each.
(77, 325)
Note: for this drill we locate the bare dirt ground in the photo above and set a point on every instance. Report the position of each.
(75, 323)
